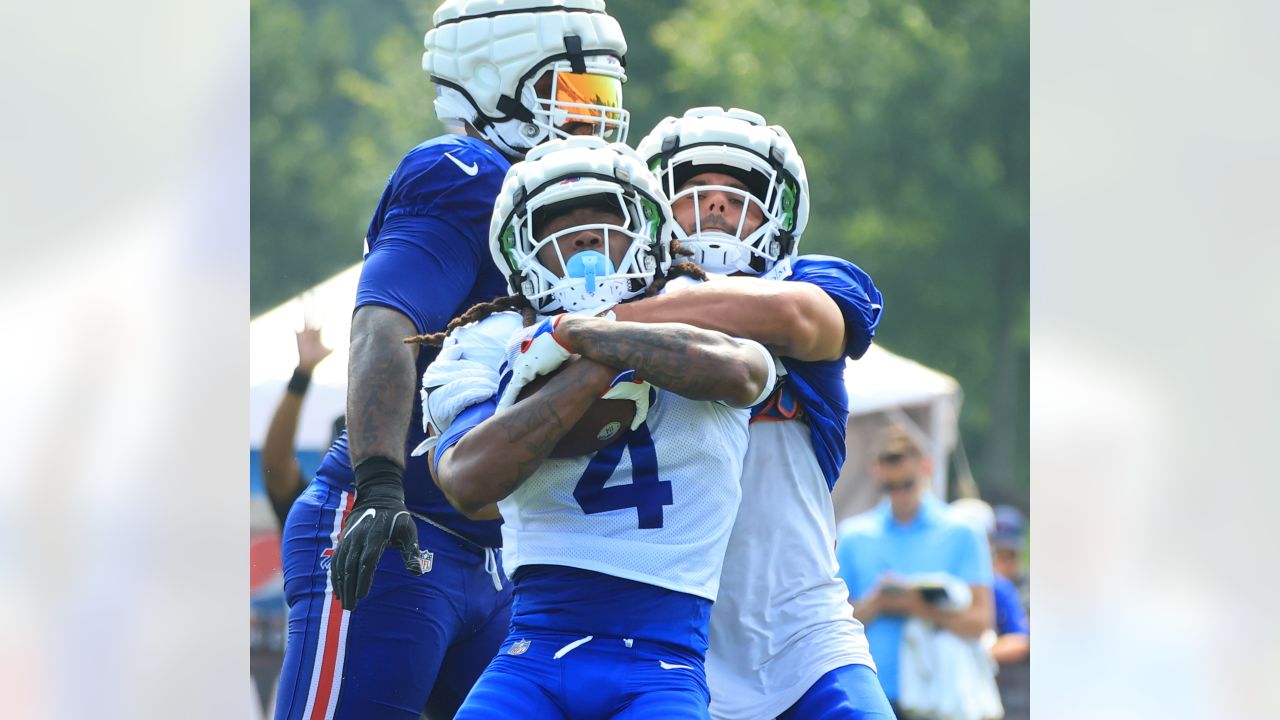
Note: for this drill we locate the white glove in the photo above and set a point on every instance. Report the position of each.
(463, 374)
(626, 387)
(531, 352)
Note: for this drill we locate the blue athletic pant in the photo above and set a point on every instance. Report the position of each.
(851, 692)
(598, 679)
(415, 642)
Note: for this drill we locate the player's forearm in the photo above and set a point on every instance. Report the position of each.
(792, 319)
(280, 471)
(381, 384)
(495, 457)
(691, 362)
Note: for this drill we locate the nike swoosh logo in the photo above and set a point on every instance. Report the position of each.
(471, 169)
(669, 666)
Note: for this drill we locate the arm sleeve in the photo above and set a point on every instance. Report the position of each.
(771, 377)
(422, 267)
(853, 292)
(466, 420)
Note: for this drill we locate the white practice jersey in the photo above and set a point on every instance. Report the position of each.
(655, 507)
(782, 619)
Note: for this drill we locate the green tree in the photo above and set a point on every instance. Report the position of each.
(338, 96)
(912, 116)
(913, 119)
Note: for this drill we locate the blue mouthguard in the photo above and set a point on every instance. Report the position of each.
(589, 264)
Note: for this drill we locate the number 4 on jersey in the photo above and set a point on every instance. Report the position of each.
(646, 493)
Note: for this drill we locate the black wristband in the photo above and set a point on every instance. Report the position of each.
(379, 471)
(299, 382)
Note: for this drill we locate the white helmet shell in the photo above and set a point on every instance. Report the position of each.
(739, 143)
(486, 55)
(589, 171)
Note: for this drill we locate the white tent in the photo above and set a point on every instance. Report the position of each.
(273, 354)
(883, 387)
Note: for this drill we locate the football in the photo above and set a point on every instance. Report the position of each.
(604, 422)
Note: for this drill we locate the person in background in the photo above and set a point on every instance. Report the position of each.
(1013, 645)
(1007, 547)
(910, 534)
(281, 473)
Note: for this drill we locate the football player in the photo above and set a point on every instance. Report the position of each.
(783, 640)
(417, 632)
(615, 556)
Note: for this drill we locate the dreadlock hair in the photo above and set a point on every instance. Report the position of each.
(479, 312)
(476, 313)
(682, 268)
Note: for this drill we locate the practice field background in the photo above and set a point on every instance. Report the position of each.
(124, 286)
(912, 117)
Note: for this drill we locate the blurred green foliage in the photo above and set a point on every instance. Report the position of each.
(912, 116)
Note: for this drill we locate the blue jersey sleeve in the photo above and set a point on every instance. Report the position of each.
(819, 386)
(466, 420)
(1010, 617)
(429, 238)
(422, 267)
(853, 292)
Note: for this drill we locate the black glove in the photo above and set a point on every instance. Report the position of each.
(378, 518)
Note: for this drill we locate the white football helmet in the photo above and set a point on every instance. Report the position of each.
(562, 175)
(486, 56)
(738, 143)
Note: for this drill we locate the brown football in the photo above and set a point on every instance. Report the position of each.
(604, 422)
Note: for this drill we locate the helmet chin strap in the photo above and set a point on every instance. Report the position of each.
(512, 138)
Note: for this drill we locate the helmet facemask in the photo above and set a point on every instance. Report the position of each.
(590, 279)
(736, 247)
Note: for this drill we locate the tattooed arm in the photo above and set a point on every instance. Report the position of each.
(688, 361)
(496, 456)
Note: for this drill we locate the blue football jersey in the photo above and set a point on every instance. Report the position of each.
(818, 387)
(428, 258)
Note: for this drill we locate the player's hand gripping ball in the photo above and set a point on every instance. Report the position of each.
(534, 355)
(620, 409)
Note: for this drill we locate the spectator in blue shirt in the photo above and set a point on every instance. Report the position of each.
(910, 534)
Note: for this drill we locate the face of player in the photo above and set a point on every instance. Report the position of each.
(590, 238)
(904, 482)
(720, 210)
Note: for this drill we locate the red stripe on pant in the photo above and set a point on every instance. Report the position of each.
(332, 641)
